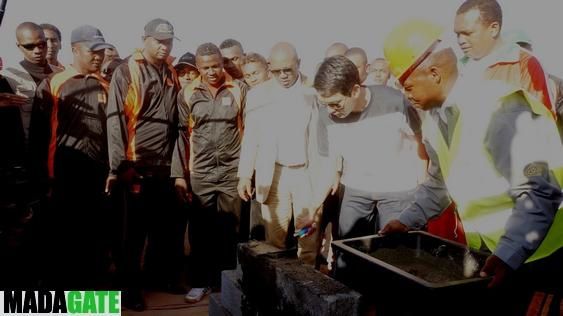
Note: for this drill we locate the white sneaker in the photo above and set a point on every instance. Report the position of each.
(196, 294)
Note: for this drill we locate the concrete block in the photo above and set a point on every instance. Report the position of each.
(276, 283)
(231, 291)
(216, 307)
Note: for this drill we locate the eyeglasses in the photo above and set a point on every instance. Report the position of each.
(277, 72)
(335, 105)
(32, 46)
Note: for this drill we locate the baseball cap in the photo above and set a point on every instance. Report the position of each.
(91, 36)
(187, 59)
(160, 29)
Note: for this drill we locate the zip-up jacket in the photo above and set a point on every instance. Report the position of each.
(142, 114)
(210, 130)
(69, 111)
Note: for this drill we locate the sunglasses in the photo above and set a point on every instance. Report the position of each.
(286, 71)
(32, 46)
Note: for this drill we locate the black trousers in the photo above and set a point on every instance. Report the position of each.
(74, 224)
(214, 230)
(147, 213)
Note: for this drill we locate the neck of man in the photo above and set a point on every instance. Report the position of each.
(449, 84)
(363, 100)
(80, 69)
(213, 88)
(153, 61)
(53, 61)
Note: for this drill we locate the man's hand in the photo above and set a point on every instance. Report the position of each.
(335, 184)
(393, 227)
(10, 99)
(110, 182)
(312, 223)
(183, 191)
(244, 189)
(495, 267)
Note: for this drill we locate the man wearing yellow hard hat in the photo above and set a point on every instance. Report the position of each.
(499, 157)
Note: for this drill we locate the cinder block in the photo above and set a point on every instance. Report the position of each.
(231, 291)
(276, 283)
(216, 307)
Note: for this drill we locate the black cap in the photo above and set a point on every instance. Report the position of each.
(187, 59)
(90, 36)
(160, 29)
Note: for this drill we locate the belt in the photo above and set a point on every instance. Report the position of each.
(303, 165)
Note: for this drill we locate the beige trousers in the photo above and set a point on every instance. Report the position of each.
(290, 195)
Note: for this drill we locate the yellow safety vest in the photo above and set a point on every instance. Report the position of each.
(485, 211)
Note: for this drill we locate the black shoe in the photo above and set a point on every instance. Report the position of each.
(133, 300)
(175, 288)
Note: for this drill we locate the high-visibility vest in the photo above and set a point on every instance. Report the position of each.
(476, 186)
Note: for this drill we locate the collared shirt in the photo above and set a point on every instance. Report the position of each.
(142, 113)
(293, 110)
(211, 127)
(69, 111)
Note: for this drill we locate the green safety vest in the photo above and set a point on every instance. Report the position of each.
(495, 204)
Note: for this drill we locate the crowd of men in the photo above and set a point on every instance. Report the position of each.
(108, 158)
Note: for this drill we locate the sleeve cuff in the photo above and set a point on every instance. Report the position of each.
(410, 218)
(514, 258)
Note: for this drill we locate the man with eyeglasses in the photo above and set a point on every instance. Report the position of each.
(18, 83)
(279, 146)
(24, 77)
(374, 130)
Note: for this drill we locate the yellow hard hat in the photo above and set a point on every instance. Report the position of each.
(408, 44)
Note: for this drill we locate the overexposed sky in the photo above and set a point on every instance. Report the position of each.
(310, 24)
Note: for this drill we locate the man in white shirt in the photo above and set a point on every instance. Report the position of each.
(276, 145)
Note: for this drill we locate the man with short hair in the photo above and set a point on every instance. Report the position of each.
(478, 25)
(379, 70)
(232, 53)
(110, 54)
(359, 58)
(282, 158)
(142, 114)
(374, 130)
(335, 49)
(18, 84)
(496, 152)
(255, 69)
(72, 106)
(53, 38)
(205, 161)
(24, 77)
(186, 69)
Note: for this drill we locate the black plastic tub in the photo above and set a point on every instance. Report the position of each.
(413, 274)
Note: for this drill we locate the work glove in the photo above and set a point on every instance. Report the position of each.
(393, 227)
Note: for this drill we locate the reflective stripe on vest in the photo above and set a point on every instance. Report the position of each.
(484, 218)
